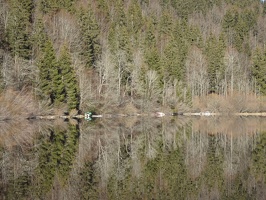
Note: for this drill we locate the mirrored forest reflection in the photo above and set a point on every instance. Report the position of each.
(134, 158)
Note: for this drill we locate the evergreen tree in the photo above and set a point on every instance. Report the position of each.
(120, 16)
(173, 65)
(246, 22)
(230, 19)
(54, 5)
(215, 53)
(20, 187)
(89, 34)
(134, 18)
(213, 174)
(56, 155)
(264, 8)
(175, 53)
(2, 47)
(240, 3)
(66, 4)
(259, 158)
(119, 36)
(258, 70)
(69, 88)
(19, 28)
(182, 37)
(103, 11)
(58, 83)
(67, 145)
(152, 56)
(39, 37)
(47, 65)
(183, 7)
(166, 24)
(194, 37)
(89, 177)
(48, 5)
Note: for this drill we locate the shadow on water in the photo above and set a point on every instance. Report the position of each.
(134, 158)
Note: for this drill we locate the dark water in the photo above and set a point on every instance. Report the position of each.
(133, 158)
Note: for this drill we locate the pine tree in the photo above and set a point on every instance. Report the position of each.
(19, 28)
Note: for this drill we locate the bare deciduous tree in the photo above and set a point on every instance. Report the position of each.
(197, 76)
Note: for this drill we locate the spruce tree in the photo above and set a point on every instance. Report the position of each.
(47, 65)
(19, 28)
(89, 34)
(39, 37)
(259, 158)
(120, 16)
(103, 12)
(58, 83)
(54, 5)
(152, 57)
(56, 155)
(69, 88)
(134, 16)
(166, 24)
(66, 4)
(258, 70)
(173, 65)
(215, 53)
(48, 5)
(230, 19)
(182, 37)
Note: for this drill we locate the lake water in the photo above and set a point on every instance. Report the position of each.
(134, 158)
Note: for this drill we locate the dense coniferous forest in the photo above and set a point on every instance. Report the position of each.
(100, 54)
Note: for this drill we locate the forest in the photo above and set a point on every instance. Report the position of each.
(109, 55)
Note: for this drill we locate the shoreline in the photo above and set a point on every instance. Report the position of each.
(158, 114)
(152, 114)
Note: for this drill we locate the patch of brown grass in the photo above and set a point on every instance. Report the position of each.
(17, 104)
(20, 132)
(230, 104)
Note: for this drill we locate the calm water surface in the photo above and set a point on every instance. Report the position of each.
(134, 158)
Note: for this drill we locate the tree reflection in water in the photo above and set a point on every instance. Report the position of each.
(135, 158)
